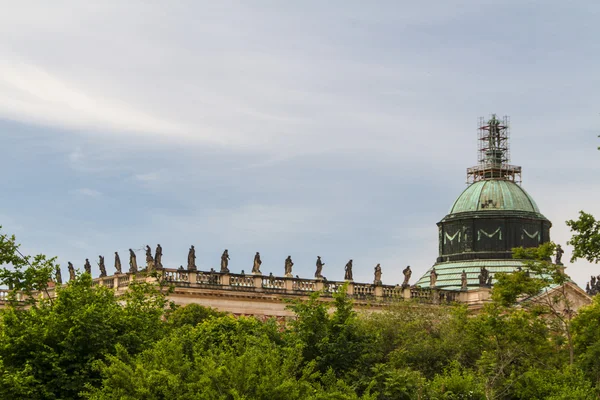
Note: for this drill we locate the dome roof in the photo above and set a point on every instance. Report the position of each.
(494, 195)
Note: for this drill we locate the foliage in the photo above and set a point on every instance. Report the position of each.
(24, 275)
(192, 314)
(87, 342)
(586, 237)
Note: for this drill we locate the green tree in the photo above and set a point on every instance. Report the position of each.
(586, 237)
(191, 314)
(26, 276)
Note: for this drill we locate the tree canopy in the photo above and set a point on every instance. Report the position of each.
(88, 343)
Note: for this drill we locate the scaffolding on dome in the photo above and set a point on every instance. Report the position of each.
(494, 152)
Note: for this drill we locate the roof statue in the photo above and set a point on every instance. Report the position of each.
(118, 263)
(191, 262)
(149, 259)
(348, 271)
(288, 266)
(158, 257)
(407, 274)
(377, 275)
(58, 275)
(87, 267)
(256, 264)
(71, 271)
(559, 254)
(133, 268)
(225, 262)
(101, 266)
(319, 271)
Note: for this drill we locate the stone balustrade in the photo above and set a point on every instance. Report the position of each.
(216, 282)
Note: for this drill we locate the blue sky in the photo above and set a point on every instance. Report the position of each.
(341, 129)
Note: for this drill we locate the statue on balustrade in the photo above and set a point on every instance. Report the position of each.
(58, 276)
(225, 262)
(377, 280)
(559, 254)
(191, 263)
(149, 259)
(483, 276)
(158, 257)
(87, 267)
(348, 271)
(271, 278)
(133, 268)
(433, 275)
(463, 280)
(71, 271)
(593, 287)
(319, 271)
(102, 267)
(288, 266)
(118, 263)
(407, 274)
(257, 263)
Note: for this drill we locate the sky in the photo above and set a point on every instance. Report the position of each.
(340, 129)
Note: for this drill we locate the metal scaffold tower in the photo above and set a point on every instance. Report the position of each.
(494, 152)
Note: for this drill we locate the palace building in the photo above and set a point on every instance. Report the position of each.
(493, 215)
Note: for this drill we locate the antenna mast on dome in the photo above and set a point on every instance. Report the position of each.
(494, 152)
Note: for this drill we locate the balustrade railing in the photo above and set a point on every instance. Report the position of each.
(332, 287)
(363, 291)
(271, 282)
(304, 285)
(176, 276)
(208, 278)
(392, 292)
(237, 280)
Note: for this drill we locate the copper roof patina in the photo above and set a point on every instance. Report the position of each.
(494, 195)
(449, 272)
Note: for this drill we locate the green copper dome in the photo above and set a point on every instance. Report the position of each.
(494, 195)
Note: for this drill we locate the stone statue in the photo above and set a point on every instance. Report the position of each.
(133, 268)
(191, 264)
(71, 271)
(407, 274)
(288, 266)
(87, 267)
(559, 254)
(433, 275)
(158, 257)
(271, 278)
(593, 287)
(149, 259)
(256, 265)
(377, 280)
(319, 271)
(489, 281)
(348, 271)
(102, 267)
(483, 276)
(463, 280)
(118, 263)
(58, 276)
(225, 262)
